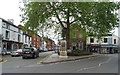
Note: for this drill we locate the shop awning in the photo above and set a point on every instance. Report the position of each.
(115, 46)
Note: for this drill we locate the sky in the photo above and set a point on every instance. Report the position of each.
(9, 9)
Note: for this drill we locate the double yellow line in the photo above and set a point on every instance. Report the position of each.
(44, 59)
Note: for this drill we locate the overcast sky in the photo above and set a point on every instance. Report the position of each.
(9, 9)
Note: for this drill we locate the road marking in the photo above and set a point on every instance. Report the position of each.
(4, 60)
(104, 62)
(96, 65)
(86, 68)
(43, 59)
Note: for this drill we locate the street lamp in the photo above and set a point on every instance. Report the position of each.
(58, 45)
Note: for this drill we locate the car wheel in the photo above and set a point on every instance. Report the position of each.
(38, 55)
(33, 56)
(23, 57)
(12, 55)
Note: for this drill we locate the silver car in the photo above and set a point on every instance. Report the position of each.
(43, 49)
(16, 52)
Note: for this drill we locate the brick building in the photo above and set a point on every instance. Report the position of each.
(36, 41)
(50, 44)
(77, 40)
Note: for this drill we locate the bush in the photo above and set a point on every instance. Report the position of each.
(78, 53)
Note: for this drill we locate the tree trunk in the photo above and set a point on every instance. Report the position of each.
(68, 36)
(68, 30)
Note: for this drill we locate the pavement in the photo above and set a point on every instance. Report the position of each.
(1, 60)
(54, 58)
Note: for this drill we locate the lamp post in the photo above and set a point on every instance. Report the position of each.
(58, 48)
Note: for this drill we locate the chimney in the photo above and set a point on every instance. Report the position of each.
(11, 21)
(20, 26)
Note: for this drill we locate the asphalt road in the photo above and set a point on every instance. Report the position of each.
(11, 63)
(106, 63)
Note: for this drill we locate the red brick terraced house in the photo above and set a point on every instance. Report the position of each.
(50, 44)
(36, 41)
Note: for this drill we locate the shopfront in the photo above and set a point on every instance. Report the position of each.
(109, 49)
(10, 45)
(103, 48)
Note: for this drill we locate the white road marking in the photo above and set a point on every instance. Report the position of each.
(105, 62)
(96, 65)
(34, 65)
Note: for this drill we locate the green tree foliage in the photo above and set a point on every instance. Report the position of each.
(93, 17)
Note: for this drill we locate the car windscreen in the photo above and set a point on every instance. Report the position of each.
(27, 49)
(19, 50)
(15, 50)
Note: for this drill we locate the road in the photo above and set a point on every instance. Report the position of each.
(105, 63)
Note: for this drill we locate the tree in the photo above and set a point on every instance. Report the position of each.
(93, 17)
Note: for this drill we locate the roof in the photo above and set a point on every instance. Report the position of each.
(20, 26)
(9, 23)
(102, 35)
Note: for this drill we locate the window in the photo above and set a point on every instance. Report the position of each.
(74, 36)
(7, 26)
(114, 41)
(18, 30)
(105, 40)
(25, 39)
(80, 36)
(0, 43)
(29, 40)
(4, 24)
(7, 35)
(97, 40)
(91, 40)
(18, 38)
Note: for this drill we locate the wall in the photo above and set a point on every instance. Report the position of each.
(119, 29)
(0, 35)
(50, 44)
(110, 38)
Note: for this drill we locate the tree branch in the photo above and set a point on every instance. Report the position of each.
(59, 19)
(73, 21)
(64, 22)
(57, 16)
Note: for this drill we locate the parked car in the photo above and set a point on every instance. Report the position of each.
(16, 52)
(9, 52)
(50, 49)
(30, 52)
(43, 49)
(4, 52)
